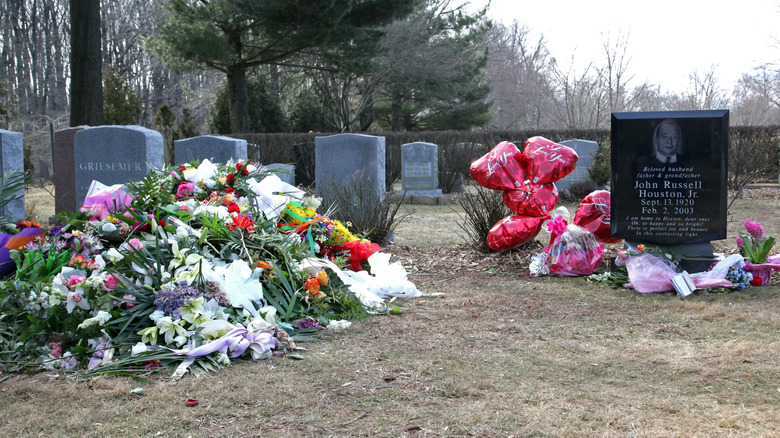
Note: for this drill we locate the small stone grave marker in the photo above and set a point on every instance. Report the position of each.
(12, 159)
(586, 150)
(216, 148)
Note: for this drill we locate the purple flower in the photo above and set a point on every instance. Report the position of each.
(307, 323)
(740, 242)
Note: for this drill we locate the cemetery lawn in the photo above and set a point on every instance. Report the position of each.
(486, 352)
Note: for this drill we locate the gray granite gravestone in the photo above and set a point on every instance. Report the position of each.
(671, 191)
(586, 150)
(114, 155)
(420, 169)
(12, 159)
(216, 148)
(285, 172)
(348, 162)
(64, 170)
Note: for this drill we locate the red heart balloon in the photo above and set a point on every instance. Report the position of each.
(532, 199)
(499, 169)
(513, 231)
(593, 216)
(546, 161)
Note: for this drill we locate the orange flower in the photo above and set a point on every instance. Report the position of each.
(312, 286)
(265, 265)
(322, 277)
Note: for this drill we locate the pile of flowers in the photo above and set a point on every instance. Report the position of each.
(193, 266)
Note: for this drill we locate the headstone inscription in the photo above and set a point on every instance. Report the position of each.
(11, 160)
(586, 150)
(216, 148)
(114, 155)
(64, 170)
(420, 169)
(350, 163)
(669, 173)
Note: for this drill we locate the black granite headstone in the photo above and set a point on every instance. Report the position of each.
(669, 173)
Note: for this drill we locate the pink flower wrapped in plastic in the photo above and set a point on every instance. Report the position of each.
(648, 273)
(105, 199)
(574, 252)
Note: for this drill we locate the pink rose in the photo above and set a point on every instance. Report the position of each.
(135, 243)
(110, 283)
(75, 279)
(185, 190)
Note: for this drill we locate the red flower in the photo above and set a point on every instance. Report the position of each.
(756, 281)
(241, 222)
(230, 179)
(239, 166)
(230, 190)
(182, 168)
(27, 224)
(358, 252)
(152, 364)
(190, 403)
(161, 223)
(234, 208)
(640, 247)
(245, 172)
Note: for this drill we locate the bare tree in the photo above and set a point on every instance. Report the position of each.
(704, 92)
(519, 72)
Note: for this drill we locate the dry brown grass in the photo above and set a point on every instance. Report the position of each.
(495, 355)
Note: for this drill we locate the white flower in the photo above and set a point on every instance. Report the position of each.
(139, 348)
(108, 227)
(205, 171)
(99, 319)
(215, 329)
(170, 328)
(342, 324)
(76, 299)
(156, 315)
(241, 289)
(114, 255)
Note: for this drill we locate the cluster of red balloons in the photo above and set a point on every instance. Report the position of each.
(527, 180)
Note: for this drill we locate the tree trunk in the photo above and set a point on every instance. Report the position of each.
(239, 100)
(395, 123)
(86, 85)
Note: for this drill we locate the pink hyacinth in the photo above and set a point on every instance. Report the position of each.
(740, 242)
(755, 229)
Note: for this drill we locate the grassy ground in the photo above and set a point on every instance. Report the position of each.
(488, 355)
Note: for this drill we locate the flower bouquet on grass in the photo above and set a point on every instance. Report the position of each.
(209, 267)
(755, 245)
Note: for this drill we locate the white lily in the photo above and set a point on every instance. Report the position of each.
(170, 328)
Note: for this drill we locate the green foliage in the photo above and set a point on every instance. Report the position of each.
(419, 93)
(265, 112)
(186, 128)
(483, 208)
(599, 171)
(121, 105)
(234, 36)
(11, 188)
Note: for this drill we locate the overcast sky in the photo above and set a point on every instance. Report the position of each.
(667, 39)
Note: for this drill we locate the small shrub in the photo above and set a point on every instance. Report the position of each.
(483, 208)
(368, 216)
(599, 171)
